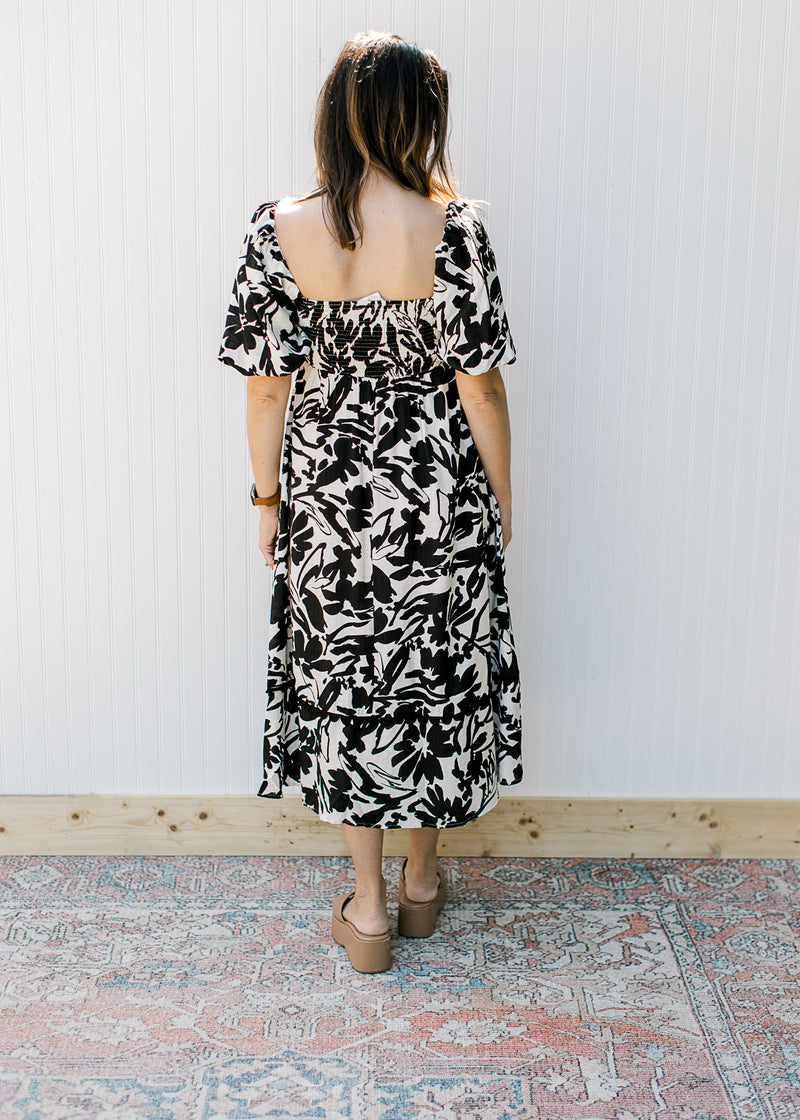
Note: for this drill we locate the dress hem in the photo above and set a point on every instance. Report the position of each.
(416, 822)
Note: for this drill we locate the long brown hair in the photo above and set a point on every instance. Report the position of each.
(384, 105)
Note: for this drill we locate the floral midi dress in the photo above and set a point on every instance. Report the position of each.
(393, 688)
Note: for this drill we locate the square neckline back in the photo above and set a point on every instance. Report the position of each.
(361, 301)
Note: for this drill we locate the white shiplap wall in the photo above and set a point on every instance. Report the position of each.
(643, 164)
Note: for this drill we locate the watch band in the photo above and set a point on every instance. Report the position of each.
(270, 501)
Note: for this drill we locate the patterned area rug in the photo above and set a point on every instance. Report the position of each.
(195, 987)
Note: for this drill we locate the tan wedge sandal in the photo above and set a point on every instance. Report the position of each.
(368, 952)
(418, 919)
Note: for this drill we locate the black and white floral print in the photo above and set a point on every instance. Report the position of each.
(393, 688)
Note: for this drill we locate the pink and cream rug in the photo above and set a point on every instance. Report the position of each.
(208, 988)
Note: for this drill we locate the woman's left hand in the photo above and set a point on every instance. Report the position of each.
(268, 532)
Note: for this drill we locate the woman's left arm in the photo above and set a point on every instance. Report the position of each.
(267, 398)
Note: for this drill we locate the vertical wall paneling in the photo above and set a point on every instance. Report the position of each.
(21, 628)
(641, 166)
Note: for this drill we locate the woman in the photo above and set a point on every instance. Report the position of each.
(372, 307)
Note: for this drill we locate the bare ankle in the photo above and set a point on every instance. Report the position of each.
(371, 894)
(422, 868)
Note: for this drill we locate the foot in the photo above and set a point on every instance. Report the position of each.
(422, 882)
(368, 912)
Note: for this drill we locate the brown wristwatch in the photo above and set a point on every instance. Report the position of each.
(270, 501)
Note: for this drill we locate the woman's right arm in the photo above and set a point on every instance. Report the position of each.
(483, 398)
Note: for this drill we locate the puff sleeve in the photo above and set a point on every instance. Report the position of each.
(474, 335)
(262, 333)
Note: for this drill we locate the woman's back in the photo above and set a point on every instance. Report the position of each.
(396, 257)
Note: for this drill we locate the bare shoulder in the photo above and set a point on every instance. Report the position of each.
(299, 214)
(430, 211)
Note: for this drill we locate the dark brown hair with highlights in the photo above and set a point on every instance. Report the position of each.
(384, 105)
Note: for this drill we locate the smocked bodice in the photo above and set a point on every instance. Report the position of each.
(273, 330)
